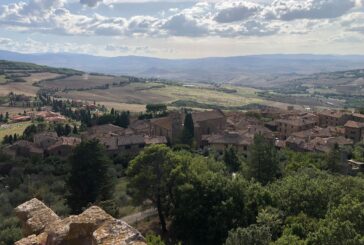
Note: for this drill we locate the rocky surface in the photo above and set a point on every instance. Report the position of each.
(92, 227)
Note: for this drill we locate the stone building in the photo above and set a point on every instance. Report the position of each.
(333, 118)
(63, 147)
(286, 127)
(354, 131)
(208, 122)
(169, 127)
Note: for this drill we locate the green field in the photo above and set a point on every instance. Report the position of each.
(2, 79)
(14, 128)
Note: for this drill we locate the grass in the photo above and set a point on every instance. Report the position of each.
(121, 197)
(14, 128)
(2, 79)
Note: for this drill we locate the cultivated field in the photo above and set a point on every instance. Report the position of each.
(135, 96)
(36, 77)
(81, 82)
(15, 128)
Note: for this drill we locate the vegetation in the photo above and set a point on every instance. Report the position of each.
(90, 164)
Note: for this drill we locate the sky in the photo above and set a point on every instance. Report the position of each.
(182, 28)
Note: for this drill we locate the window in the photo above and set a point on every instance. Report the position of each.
(127, 147)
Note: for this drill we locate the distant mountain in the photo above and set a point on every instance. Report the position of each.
(214, 69)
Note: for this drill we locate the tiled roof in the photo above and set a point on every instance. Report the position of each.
(163, 122)
(229, 138)
(155, 140)
(105, 129)
(130, 140)
(207, 115)
(353, 124)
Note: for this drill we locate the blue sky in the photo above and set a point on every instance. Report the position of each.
(182, 29)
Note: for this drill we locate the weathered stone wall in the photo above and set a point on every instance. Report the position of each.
(41, 226)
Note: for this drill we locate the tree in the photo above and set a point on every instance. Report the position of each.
(122, 119)
(263, 160)
(60, 130)
(254, 234)
(75, 130)
(333, 159)
(67, 130)
(29, 132)
(156, 109)
(90, 176)
(188, 131)
(150, 174)
(231, 159)
(359, 152)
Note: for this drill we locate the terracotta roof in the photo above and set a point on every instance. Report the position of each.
(163, 122)
(155, 140)
(333, 113)
(110, 142)
(207, 115)
(297, 121)
(228, 138)
(353, 124)
(105, 129)
(69, 141)
(358, 115)
(130, 140)
(33, 148)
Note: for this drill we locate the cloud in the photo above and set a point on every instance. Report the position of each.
(308, 9)
(238, 12)
(90, 3)
(182, 25)
(210, 18)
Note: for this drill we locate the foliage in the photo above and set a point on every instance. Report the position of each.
(188, 131)
(263, 160)
(90, 164)
(151, 178)
(254, 234)
(153, 239)
(231, 159)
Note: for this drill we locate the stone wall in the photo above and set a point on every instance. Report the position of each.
(41, 226)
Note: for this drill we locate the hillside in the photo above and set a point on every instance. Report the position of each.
(240, 69)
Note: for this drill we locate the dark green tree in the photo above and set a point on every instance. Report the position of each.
(333, 159)
(75, 130)
(263, 162)
(188, 131)
(150, 178)
(67, 130)
(254, 234)
(90, 178)
(231, 159)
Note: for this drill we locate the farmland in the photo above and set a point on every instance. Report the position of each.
(14, 128)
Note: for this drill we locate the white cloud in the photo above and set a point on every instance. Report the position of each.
(209, 18)
(90, 3)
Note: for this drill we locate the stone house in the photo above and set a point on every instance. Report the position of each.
(333, 118)
(219, 142)
(354, 131)
(45, 139)
(169, 127)
(208, 122)
(23, 148)
(357, 117)
(286, 127)
(63, 147)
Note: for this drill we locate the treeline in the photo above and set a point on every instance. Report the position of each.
(270, 197)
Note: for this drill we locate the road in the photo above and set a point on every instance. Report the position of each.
(135, 218)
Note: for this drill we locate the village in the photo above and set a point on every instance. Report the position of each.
(214, 130)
